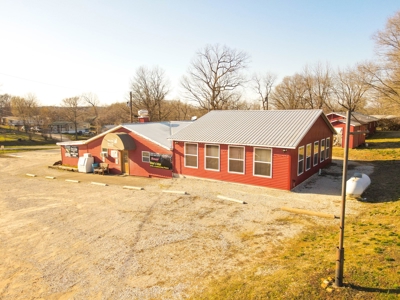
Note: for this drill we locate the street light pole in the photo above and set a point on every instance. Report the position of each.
(340, 249)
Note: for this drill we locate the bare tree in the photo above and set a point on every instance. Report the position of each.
(387, 71)
(149, 89)
(290, 93)
(26, 109)
(351, 87)
(214, 77)
(73, 111)
(93, 101)
(263, 84)
(5, 105)
(318, 87)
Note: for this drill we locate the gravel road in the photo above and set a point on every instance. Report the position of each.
(66, 240)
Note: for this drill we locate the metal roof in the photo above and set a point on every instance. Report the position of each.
(267, 128)
(356, 117)
(158, 132)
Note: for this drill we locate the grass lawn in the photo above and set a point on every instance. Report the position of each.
(304, 267)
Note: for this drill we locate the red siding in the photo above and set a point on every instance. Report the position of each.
(136, 166)
(284, 162)
(355, 140)
(280, 167)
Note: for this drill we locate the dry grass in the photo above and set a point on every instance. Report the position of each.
(296, 269)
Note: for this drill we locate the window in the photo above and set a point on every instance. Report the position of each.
(328, 146)
(212, 157)
(262, 162)
(236, 160)
(146, 156)
(322, 150)
(308, 157)
(316, 151)
(300, 168)
(190, 155)
(104, 152)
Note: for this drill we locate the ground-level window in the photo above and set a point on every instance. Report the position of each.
(212, 157)
(146, 156)
(262, 162)
(236, 159)
(191, 155)
(322, 150)
(316, 151)
(300, 168)
(308, 157)
(328, 146)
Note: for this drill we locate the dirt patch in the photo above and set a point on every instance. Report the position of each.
(62, 240)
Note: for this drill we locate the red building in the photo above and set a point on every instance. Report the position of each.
(277, 149)
(360, 127)
(140, 149)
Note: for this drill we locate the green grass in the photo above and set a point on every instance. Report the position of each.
(13, 138)
(381, 146)
(297, 269)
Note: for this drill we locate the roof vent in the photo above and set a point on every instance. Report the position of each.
(194, 118)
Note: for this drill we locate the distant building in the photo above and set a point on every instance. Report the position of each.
(69, 127)
(360, 126)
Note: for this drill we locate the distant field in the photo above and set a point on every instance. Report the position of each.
(14, 138)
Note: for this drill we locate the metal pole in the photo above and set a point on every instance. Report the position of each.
(130, 106)
(340, 249)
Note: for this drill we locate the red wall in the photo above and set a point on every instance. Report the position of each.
(284, 162)
(355, 140)
(136, 166)
(280, 167)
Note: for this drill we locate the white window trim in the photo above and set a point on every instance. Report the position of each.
(308, 156)
(314, 164)
(254, 162)
(298, 160)
(197, 155)
(327, 147)
(145, 156)
(321, 157)
(205, 158)
(243, 160)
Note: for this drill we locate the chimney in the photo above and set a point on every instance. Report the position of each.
(143, 116)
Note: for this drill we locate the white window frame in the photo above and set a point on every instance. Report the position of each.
(147, 157)
(197, 155)
(308, 157)
(315, 154)
(263, 162)
(104, 152)
(298, 160)
(218, 157)
(243, 160)
(322, 151)
(327, 147)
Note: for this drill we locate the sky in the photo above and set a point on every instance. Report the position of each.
(58, 49)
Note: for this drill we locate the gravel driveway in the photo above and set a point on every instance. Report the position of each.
(66, 240)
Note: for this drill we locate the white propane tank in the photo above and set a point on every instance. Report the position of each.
(357, 184)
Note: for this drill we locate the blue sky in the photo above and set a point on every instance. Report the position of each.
(58, 49)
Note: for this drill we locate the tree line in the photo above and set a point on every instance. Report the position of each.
(216, 79)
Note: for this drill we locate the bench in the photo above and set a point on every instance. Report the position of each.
(101, 169)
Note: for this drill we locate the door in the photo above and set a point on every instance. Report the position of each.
(125, 162)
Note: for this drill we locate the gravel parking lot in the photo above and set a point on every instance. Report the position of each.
(66, 240)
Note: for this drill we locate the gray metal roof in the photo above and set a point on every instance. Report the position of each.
(158, 132)
(268, 128)
(356, 117)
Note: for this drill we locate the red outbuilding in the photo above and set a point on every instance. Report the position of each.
(277, 149)
(140, 149)
(360, 127)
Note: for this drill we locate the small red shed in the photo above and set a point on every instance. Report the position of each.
(360, 127)
(140, 149)
(277, 149)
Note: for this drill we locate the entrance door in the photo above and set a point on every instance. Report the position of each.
(125, 162)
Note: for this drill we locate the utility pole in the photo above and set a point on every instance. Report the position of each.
(340, 249)
(130, 106)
